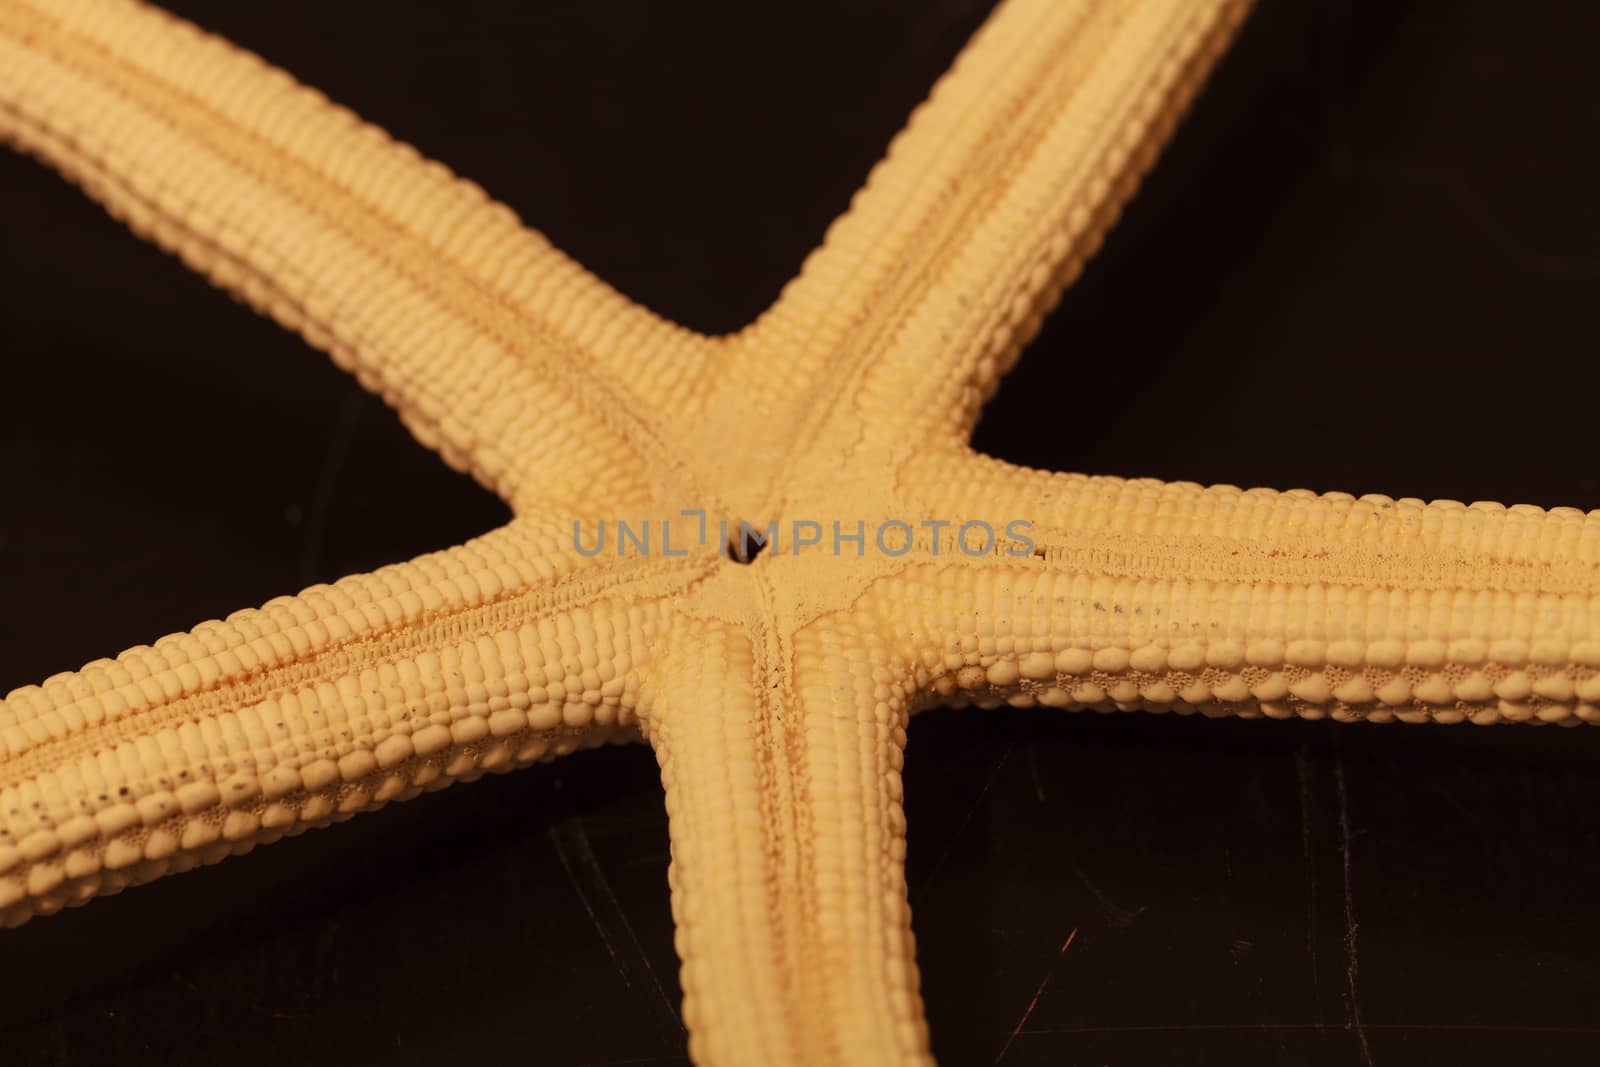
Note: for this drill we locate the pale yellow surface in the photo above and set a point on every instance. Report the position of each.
(776, 695)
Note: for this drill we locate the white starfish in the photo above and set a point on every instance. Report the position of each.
(776, 695)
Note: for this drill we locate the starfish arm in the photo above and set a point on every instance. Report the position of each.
(497, 350)
(480, 658)
(1173, 596)
(788, 849)
(986, 207)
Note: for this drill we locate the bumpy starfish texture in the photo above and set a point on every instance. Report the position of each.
(776, 695)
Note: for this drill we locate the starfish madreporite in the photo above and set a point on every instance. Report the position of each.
(775, 694)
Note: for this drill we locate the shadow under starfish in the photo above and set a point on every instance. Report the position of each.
(775, 695)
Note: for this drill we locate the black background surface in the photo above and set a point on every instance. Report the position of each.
(1367, 263)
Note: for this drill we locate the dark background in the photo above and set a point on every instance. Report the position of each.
(1373, 250)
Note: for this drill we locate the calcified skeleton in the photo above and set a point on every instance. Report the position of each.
(776, 695)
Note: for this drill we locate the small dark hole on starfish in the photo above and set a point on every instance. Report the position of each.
(745, 543)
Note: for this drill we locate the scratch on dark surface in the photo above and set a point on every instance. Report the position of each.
(961, 829)
(571, 843)
(1352, 1000)
(1037, 993)
(1033, 770)
(1450, 799)
(344, 434)
(611, 897)
(1302, 771)
(583, 898)
(325, 967)
(1118, 916)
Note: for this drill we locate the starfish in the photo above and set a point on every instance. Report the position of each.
(774, 690)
